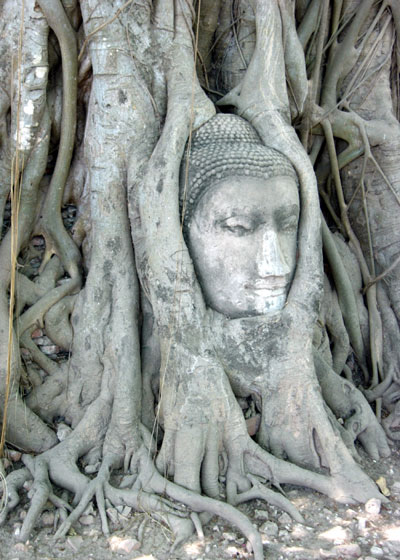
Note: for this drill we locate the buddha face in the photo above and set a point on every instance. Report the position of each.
(242, 237)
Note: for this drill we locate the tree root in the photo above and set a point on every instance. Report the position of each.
(14, 482)
(114, 424)
(40, 493)
(349, 486)
(198, 503)
(347, 402)
(57, 322)
(152, 493)
(141, 496)
(41, 471)
(259, 491)
(36, 313)
(344, 289)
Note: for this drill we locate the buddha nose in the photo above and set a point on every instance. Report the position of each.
(270, 259)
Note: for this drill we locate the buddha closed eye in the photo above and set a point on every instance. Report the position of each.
(242, 236)
(238, 224)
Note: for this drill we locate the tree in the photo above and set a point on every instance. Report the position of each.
(144, 384)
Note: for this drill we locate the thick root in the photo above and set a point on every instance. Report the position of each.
(198, 503)
(38, 471)
(142, 496)
(347, 402)
(348, 486)
(167, 501)
(261, 492)
(40, 493)
(14, 482)
(94, 488)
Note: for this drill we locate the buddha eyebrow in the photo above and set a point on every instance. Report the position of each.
(286, 212)
(223, 215)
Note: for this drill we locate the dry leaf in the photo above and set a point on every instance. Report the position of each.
(381, 482)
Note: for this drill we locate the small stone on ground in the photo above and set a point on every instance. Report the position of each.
(123, 545)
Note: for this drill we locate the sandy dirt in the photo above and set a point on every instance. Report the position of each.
(331, 530)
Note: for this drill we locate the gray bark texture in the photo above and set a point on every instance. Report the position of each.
(111, 355)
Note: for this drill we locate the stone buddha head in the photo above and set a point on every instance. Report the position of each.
(241, 211)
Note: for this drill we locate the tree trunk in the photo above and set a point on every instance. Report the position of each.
(101, 106)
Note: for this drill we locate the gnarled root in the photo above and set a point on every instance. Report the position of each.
(347, 402)
(249, 465)
(40, 493)
(198, 503)
(54, 466)
(145, 484)
(346, 486)
(14, 482)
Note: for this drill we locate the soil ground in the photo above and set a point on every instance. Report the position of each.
(331, 530)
